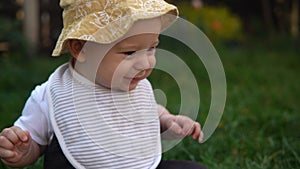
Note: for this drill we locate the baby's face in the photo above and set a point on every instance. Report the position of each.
(123, 64)
(128, 62)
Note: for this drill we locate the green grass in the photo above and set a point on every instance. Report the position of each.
(260, 126)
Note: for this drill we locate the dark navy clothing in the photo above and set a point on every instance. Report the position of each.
(55, 159)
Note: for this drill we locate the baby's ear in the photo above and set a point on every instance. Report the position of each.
(75, 47)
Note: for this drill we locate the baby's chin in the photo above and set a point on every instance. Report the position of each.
(128, 84)
(123, 87)
(130, 87)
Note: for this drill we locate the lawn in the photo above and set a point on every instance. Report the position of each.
(260, 126)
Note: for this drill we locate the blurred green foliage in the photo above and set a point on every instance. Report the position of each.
(11, 34)
(218, 23)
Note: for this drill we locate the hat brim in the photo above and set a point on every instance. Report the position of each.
(87, 27)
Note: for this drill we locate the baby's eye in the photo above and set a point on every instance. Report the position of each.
(152, 49)
(128, 53)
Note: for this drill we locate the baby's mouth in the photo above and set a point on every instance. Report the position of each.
(136, 78)
(139, 76)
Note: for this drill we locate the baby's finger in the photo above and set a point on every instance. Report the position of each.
(200, 139)
(5, 143)
(173, 132)
(10, 135)
(187, 129)
(4, 154)
(22, 135)
(176, 128)
(197, 130)
(23, 146)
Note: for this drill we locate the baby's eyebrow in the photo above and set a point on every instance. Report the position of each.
(128, 46)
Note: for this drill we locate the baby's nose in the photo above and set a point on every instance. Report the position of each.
(145, 61)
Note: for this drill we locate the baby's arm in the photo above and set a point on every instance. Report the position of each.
(178, 126)
(17, 149)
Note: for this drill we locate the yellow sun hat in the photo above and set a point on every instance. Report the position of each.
(111, 19)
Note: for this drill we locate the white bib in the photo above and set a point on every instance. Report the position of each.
(99, 128)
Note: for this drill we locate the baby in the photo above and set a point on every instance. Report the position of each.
(98, 110)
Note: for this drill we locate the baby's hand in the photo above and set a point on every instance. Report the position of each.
(14, 144)
(180, 127)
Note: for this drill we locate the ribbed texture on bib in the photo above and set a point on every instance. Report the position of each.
(99, 128)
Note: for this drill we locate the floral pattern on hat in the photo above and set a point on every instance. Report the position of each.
(105, 21)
